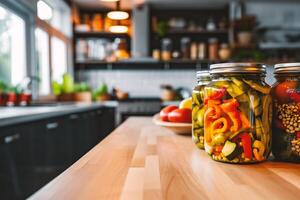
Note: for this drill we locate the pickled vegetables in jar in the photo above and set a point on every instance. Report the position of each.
(203, 78)
(238, 113)
(286, 112)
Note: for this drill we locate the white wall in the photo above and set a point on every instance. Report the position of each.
(145, 83)
(275, 13)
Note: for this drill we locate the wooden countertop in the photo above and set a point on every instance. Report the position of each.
(142, 161)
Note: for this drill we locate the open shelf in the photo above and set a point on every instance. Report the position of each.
(189, 32)
(100, 34)
(177, 64)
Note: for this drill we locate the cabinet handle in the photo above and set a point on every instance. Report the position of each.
(99, 112)
(74, 116)
(52, 125)
(11, 138)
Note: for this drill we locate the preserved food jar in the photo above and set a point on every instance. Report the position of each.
(286, 109)
(238, 113)
(203, 78)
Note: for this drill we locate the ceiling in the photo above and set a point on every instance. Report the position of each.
(128, 4)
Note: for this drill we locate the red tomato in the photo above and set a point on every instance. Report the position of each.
(282, 90)
(165, 111)
(182, 115)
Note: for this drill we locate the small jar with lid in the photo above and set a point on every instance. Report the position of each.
(238, 112)
(203, 78)
(286, 112)
(166, 49)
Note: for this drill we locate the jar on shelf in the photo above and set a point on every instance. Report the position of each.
(185, 47)
(202, 50)
(238, 112)
(224, 52)
(213, 48)
(194, 51)
(97, 22)
(286, 112)
(166, 48)
(121, 50)
(156, 54)
(203, 78)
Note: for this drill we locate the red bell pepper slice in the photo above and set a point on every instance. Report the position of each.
(217, 94)
(236, 121)
(219, 126)
(245, 121)
(298, 135)
(279, 124)
(230, 105)
(246, 143)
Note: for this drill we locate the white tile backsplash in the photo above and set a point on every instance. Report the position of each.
(145, 83)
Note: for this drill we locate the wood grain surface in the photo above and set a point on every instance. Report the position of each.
(142, 161)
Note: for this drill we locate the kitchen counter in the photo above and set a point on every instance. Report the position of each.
(13, 115)
(142, 161)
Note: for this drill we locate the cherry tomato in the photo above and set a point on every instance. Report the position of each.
(165, 111)
(282, 90)
(182, 115)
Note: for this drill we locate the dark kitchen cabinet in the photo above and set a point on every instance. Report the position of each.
(51, 148)
(16, 162)
(34, 153)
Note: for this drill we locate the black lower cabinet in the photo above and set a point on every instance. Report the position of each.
(16, 163)
(32, 154)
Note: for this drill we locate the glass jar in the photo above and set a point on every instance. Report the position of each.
(203, 78)
(286, 112)
(238, 112)
(166, 49)
(213, 48)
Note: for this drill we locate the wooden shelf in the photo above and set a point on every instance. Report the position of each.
(179, 64)
(100, 34)
(182, 32)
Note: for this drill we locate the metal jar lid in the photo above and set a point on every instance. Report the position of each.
(248, 68)
(203, 74)
(283, 68)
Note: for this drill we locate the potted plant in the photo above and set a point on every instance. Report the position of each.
(245, 27)
(3, 90)
(65, 90)
(82, 92)
(101, 93)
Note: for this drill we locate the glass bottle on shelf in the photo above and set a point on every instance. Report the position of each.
(213, 49)
(201, 51)
(166, 49)
(185, 47)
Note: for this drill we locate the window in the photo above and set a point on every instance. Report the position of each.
(42, 47)
(52, 44)
(58, 58)
(12, 47)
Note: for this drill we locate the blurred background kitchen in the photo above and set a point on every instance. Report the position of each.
(129, 57)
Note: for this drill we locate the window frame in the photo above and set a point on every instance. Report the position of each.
(53, 32)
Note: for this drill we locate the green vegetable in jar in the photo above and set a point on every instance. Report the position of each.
(198, 109)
